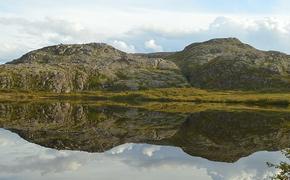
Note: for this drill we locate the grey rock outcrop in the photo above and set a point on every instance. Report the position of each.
(66, 68)
(230, 64)
(223, 64)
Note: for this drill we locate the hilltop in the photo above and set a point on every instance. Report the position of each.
(229, 64)
(220, 64)
(94, 66)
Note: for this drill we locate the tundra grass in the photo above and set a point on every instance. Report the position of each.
(160, 95)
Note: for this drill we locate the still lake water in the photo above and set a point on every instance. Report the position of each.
(61, 140)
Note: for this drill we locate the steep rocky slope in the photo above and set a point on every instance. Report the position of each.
(66, 68)
(230, 64)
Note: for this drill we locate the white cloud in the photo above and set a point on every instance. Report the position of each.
(173, 25)
(263, 33)
(51, 30)
(151, 44)
(127, 31)
(30, 30)
(121, 45)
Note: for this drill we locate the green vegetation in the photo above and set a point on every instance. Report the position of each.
(161, 95)
(225, 70)
(283, 168)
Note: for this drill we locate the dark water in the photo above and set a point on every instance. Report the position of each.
(61, 140)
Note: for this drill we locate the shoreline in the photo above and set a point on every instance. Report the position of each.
(182, 95)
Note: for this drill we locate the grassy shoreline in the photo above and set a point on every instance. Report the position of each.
(160, 95)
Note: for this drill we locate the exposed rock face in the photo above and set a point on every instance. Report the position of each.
(230, 64)
(66, 68)
(216, 64)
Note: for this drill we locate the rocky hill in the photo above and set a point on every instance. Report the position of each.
(66, 68)
(226, 64)
(230, 64)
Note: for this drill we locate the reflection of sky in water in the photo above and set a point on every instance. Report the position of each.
(23, 160)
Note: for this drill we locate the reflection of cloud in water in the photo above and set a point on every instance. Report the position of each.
(56, 162)
(149, 151)
(5, 142)
(121, 149)
(25, 156)
(47, 161)
(253, 167)
(23, 159)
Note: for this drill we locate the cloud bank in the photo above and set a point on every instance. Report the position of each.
(136, 29)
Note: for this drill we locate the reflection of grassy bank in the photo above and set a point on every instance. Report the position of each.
(183, 107)
(169, 107)
(162, 95)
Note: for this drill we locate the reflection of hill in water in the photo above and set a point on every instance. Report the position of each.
(228, 136)
(216, 135)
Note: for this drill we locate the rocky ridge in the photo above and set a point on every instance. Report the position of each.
(224, 64)
(230, 64)
(66, 68)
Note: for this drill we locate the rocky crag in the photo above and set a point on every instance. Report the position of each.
(224, 64)
(230, 64)
(66, 68)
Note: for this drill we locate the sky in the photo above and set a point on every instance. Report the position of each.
(141, 25)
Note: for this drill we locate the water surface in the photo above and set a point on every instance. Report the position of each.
(69, 140)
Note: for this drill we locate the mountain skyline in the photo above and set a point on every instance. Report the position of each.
(220, 64)
(143, 26)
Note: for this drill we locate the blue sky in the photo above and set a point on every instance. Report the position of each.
(143, 25)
